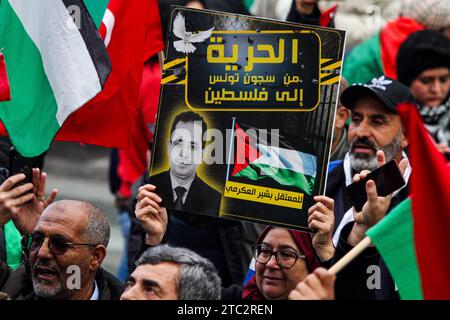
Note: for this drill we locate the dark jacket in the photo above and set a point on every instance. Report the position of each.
(352, 280)
(3, 254)
(311, 19)
(5, 272)
(3, 176)
(233, 239)
(19, 285)
(200, 198)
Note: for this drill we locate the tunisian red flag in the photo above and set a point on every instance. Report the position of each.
(391, 38)
(430, 189)
(132, 33)
(133, 162)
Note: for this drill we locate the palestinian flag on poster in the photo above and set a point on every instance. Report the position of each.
(5, 94)
(56, 62)
(376, 56)
(413, 239)
(255, 159)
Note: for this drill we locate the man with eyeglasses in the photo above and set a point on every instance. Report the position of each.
(66, 250)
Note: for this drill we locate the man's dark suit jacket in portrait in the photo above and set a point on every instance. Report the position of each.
(201, 198)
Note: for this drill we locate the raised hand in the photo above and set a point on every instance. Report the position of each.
(24, 203)
(12, 198)
(39, 187)
(152, 217)
(318, 285)
(29, 213)
(376, 207)
(321, 221)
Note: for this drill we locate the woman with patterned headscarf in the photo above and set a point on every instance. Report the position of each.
(423, 64)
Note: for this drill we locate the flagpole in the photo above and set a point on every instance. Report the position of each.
(350, 256)
(231, 145)
(161, 59)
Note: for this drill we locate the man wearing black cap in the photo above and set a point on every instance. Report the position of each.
(374, 125)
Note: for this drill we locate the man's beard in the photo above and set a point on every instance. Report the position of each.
(362, 161)
(45, 289)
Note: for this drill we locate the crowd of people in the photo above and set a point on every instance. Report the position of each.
(54, 249)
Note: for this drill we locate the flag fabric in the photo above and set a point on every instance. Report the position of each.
(413, 238)
(132, 32)
(133, 161)
(430, 206)
(12, 245)
(97, 10)
(255, 160)
(376, 56)
(55, 65)
(251, 272)
(5, 93)
(394, 239)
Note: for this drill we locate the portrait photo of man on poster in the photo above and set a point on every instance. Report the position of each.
(180, 186)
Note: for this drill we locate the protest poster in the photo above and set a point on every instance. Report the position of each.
(246, 115)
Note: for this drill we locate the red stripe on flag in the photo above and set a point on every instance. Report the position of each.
(246, 151)
(5, 93)
(430, 191)
(391, 37)
(133, 162)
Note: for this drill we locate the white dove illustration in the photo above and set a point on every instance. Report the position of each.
(187, 38)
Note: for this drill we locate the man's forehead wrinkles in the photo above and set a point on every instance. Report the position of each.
(53, 228)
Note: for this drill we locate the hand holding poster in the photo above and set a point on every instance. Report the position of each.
(246, 116)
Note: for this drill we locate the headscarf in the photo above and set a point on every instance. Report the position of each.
(304, 244)
(422, 50)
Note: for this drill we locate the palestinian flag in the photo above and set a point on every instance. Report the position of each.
(256, 159)
(5, 93)
(394, 238)
(132, 33)
(376, 56)
(56, 62)
(413, 239)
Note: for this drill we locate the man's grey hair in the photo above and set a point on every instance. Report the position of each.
(96, 232)
(198, 279)
(97, 229)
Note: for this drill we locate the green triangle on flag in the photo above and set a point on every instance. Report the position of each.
(97, 10)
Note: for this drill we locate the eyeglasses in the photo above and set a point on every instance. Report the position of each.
(286, 259)
(57, 245)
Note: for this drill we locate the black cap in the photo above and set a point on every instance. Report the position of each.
(389, 91)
